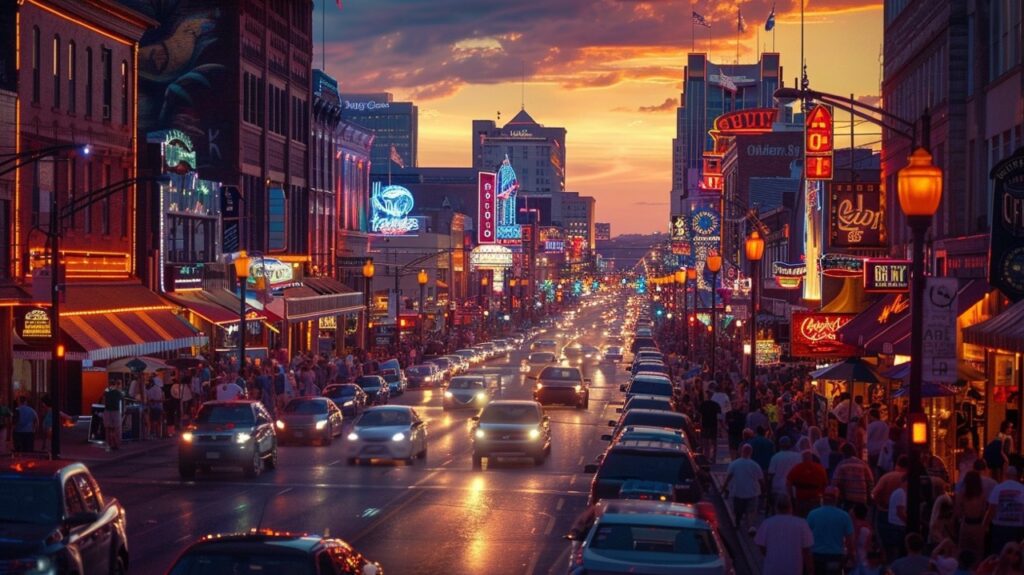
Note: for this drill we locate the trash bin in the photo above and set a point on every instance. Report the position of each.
(97, 433)
(131, 422)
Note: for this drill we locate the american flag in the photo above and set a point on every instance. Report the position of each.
(741, 24)
(770, 23)
(699, 19)
(396, 158)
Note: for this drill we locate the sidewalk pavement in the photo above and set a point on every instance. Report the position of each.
(76, 447)
(750, 551)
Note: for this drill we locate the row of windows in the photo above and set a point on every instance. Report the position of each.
(67, 56)
(75, 180)
(1004, 36)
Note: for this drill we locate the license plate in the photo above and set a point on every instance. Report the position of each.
(298, 434)
(375, 449)
(213, 455)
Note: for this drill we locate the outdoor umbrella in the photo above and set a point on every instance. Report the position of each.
(850, 370)
(137, 365)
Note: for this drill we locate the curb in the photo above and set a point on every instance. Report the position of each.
(94, 462)
(750, 553)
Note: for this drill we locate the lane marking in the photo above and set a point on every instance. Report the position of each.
(560, 504)
(551, 525)
(531, 565)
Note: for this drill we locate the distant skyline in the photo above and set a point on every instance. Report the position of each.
(609, 71)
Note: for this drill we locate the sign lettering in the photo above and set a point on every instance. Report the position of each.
(858, 215)
(819, 145)
(391, 206)
(486, 208)
(886, 276)
(816, 335)
(1006, 262)
(939, 334)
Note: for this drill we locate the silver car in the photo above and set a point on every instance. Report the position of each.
(309, 419)
(387, 432)
(511, 428)
(474, 391)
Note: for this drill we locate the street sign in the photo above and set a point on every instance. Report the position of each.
(351, 262)
(938, 336)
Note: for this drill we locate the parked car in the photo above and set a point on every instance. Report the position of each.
(423, 375)
(349, 397)
(395, 378)
(562, 385)
(474, 356)
(445, 367)
(270, 552)
(309, 419)
(387, 432)
(54, 519)
(642, 401)
(654, 418)
(460, 365)
(648, 384)
(510, 428)
(537, 361)
(467, 391)
(671, 463)
(651, 537)
(651, 433)
(377, 390)
(613, 353)
(230, 433)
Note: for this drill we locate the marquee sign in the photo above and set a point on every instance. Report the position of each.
(278, 274)
(33, 325)
(179, 154)
(817, 335)
(391, 206)
(788, 276)
(184, 277)
(819, 146)
(858, 215)
(490, 257)
(486, 208)
(749, 121)
(507, 184)
(886, 276)
(1006, 263)
(842, 266)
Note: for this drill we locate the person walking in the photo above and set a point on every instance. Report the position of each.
(806, 483)
(1005, 515)
(832, 529)
(26, 420)
(890, 536)
(853, 477)
(710, 411)
(744, 482)
(113, 400)
(877, 434)
(785, 541)
(779, 467)
(969, 509)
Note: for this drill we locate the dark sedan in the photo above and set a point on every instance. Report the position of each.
(377, 391)
(309, 419)
(349, 397)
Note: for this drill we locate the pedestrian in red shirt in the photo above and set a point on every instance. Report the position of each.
(806, 481)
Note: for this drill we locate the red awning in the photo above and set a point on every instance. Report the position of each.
(113, 335)
(219, 307)
(1004, 331)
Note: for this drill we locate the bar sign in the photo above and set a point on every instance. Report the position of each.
(887, 276)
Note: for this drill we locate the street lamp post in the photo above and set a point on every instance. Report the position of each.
(242, 273)
(691, 276)
(919, 185)
(421, 278)
(679, 278)
(368, 277)
(485, 302)
(714, 264)
(755, 250)
(512, 283)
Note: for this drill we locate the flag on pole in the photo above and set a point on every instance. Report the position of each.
(770, 22)
(741, 24)
(699, 19)
(396, 158)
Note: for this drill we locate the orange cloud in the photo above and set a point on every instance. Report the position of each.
(669, 105)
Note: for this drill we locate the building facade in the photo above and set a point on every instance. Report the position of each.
(393, 124)
(536, 152)
(710, 90)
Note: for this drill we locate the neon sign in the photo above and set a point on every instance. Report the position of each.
(179, 154)
(887, 276)
(486, 208)
(391, 206)
(819, 145)
(842, 266)
(507, 186)
(817, 335)
(752, 120)
(788, 276)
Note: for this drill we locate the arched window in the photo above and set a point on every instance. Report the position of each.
(56, 71)
(72, 76)
(35, 64)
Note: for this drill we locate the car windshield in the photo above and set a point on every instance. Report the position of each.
(341, 391)
(368, 381)
(652, 436)
(29, 501)
(650, 387)
(560, 373)
(650, 466)
(392, 378)
(419, 370)
(305, 407)
(383, 417)
(237, 414)
(655, 419)
(510, 414)
(243, 562)
(466, 383)
(677, 544)
(541, 357)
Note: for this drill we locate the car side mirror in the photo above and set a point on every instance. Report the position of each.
(82, 518)
(606, 437)
(590, 468)
(611, 423)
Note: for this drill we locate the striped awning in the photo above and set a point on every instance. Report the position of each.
(113, 335)
(1004, 331)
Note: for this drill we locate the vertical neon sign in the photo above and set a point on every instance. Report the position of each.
(486, 208)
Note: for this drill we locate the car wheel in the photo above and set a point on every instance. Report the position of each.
(272, 460)
(119, 566)
(255, 467)
(186, 471)
(478, 462)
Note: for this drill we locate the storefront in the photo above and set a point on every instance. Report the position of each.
(312, 313)
(216, 313)
(99, 323)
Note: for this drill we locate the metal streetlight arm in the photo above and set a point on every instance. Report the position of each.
(907, 129)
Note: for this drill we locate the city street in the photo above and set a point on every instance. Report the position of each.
(437, 517)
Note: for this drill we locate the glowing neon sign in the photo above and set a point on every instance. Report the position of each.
(507, 186)
(391, 206)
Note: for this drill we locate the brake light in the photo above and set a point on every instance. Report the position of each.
(706, 511)
(577, 559)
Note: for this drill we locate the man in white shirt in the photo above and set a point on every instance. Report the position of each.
(228, 390)
(780, 465)
(877, 434)
(743, 482)
(1006, 510)
(785, 541)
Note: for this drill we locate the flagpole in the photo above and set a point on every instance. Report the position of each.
(693, 25)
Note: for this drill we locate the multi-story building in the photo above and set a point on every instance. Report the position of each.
(393, 124)
(602, 231)
(536, 152)
(575, 213)
(710, 90)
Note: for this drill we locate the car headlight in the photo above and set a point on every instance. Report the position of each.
(480, 396)
(187, 437)
(321, 424)
(480, 434)
(534, 433)
(540, 385)
(579, 388)
(448, 395)
(242, 437)
(279, 424)
(398, 437)
(348, 403)
(353, 436)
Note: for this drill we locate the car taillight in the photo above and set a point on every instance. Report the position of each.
(577, 558)
(706, 511)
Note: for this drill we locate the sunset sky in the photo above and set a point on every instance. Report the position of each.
(609, 71)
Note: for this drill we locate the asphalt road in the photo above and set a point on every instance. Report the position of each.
(434, 517)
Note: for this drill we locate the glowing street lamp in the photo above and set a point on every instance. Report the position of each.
(242, 273)
(714, 263)
(421, 278)
(368, 278)
(755, 251)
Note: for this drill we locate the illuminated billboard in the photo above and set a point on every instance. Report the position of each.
(390, 211)
(486, 208)
(819, 146)
(507, 184)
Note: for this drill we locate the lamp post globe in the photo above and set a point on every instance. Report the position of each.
(368, 278)
(242, 273)
(919, 187)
